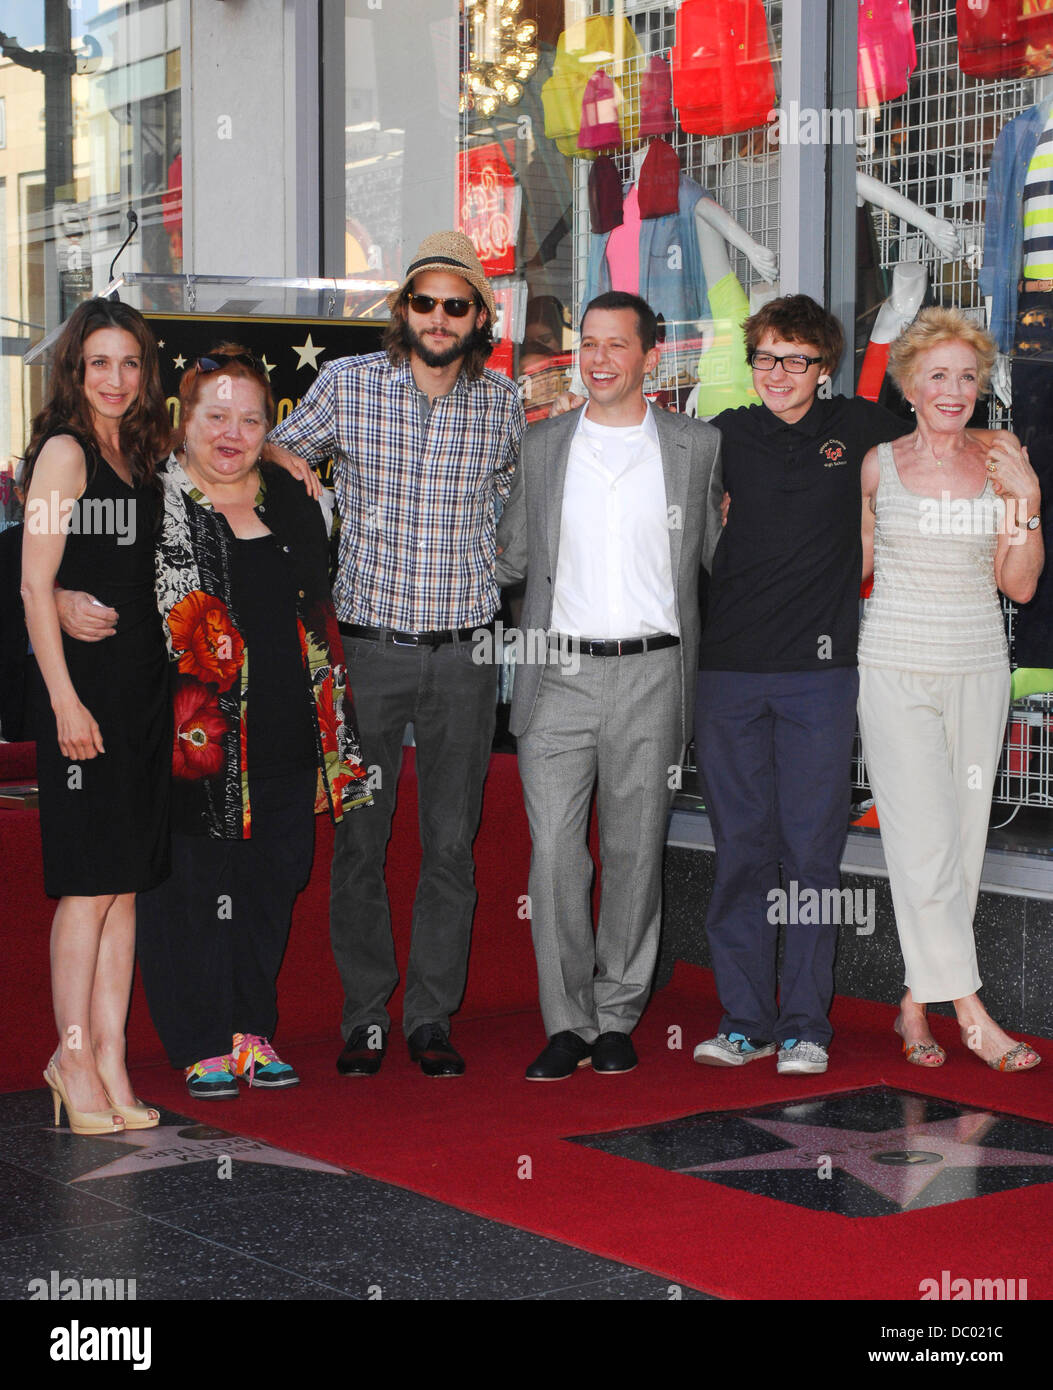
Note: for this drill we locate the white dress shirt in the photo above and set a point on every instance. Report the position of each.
(614, 572)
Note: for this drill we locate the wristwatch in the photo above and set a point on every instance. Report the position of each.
(1034, 522)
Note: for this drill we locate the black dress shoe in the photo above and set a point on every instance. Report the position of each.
(358, 1057)
(430, 1046)
(566, 1052)
(613, 1053)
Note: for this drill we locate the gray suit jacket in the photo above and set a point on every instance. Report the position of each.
(528, 535)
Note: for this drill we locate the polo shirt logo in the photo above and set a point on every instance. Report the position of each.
(835, 453)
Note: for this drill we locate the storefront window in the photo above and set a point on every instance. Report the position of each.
(91, 136)
(619, 189)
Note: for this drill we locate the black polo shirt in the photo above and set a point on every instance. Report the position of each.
(784, 590)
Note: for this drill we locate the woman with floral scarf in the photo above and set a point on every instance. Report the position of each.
(264, 734)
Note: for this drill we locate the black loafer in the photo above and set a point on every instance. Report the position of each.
(358, 1057)
(430, 1046)
(613, 1053)
(566, 1052)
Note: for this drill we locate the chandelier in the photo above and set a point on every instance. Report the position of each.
(502, 55)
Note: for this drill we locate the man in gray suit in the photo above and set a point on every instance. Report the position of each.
(612, 510)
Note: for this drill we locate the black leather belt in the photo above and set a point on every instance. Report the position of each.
(614, 646)
(413, 639)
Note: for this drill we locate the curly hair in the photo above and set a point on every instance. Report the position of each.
(931, 328)
(797, 318)
(145, 427)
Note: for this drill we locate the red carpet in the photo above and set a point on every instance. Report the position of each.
(494, 1144)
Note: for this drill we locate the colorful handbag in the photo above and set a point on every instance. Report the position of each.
(723, 79)
(887, 55)
(583, 47)
(1005, 38)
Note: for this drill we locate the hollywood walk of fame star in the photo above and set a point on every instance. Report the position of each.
(856, 1151)
(308, 354)
(173, 1146)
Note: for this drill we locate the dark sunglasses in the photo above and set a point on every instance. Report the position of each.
(425, 303)
(218, 360)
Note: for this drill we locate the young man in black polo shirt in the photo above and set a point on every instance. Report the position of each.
(777, 688)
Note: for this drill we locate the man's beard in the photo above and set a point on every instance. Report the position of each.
(458, 348)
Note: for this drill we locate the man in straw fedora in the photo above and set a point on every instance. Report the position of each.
(424, 440)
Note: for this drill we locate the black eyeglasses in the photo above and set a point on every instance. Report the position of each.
(796, 362)
(218, 360)
(425, 303)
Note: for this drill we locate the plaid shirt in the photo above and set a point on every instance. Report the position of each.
(416, 500)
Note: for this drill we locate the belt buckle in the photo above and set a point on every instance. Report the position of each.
(413, 639)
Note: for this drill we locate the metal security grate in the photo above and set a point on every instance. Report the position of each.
(741, 172)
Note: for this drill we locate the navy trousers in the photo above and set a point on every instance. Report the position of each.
(774, 752)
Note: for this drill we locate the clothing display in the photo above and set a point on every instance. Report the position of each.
(723, 80)
(599, 113)
(658, 186)
(887, 54)
(583, 48)
(670, 267)
(725, 378)
(104, 820)
(1021, 323)
(605, 196)
(656, 98)
(1005, 38)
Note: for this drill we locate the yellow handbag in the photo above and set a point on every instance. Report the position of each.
(583, 47)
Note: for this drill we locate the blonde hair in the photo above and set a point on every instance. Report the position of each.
(931, 328)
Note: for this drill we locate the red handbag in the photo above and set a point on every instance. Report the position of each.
(723, 79)
(887, 55)
(1005, 38)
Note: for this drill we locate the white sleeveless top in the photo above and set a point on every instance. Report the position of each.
(935, 605)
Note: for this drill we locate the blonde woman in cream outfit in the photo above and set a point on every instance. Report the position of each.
(949, 518)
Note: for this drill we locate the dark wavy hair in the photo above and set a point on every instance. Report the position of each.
(145, 427)
(194, 378)
(480, 345)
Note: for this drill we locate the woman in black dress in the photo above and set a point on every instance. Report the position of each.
(92, 505)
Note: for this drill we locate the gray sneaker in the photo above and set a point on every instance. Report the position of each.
(800, 1057)
(732, 1050)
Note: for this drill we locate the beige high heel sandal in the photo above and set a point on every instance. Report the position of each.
(80, 1121)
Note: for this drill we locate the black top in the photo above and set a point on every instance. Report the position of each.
(279, 729)
(784, 591)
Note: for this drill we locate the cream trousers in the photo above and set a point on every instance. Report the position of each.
(931, 744)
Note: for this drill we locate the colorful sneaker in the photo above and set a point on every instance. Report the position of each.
(211, 1079)
(732, 1050)
(252, 1059)
(801, 1058)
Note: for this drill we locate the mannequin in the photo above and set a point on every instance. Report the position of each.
(1017, 282)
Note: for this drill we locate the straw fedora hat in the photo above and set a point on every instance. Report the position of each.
(453, 253)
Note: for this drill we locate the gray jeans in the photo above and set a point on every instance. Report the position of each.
(450, 700)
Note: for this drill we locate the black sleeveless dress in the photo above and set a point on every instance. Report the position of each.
(104, 821)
